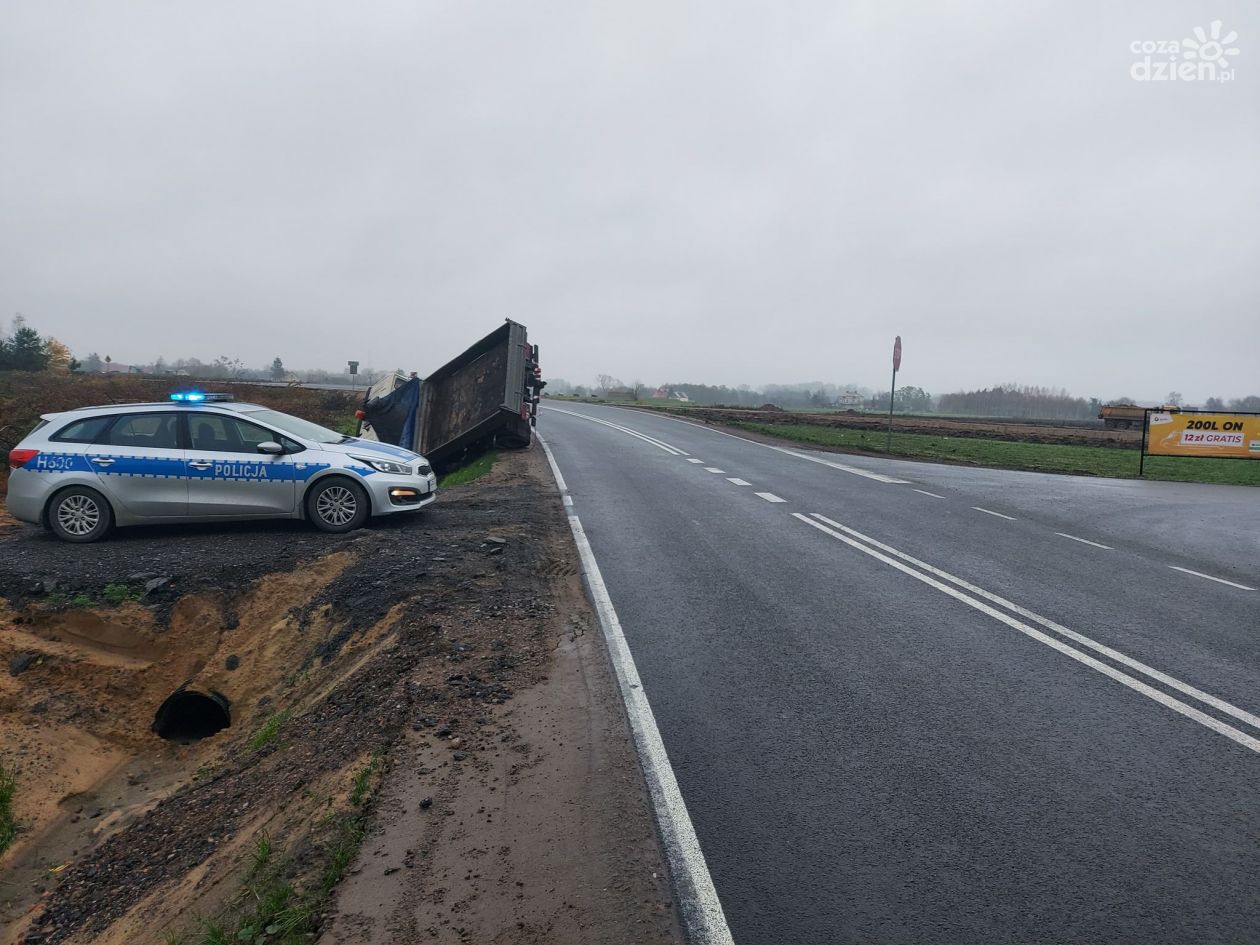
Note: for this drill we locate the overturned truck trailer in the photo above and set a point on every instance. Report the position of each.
(486, 396)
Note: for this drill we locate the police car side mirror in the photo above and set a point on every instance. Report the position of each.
(272, 447)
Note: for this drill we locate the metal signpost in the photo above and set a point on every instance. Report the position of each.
(892, 391)
(354, 369)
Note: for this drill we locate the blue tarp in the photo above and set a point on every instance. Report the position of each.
(395, 416)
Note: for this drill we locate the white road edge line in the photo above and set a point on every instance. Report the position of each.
(770, 497)
(1085, 541)
(660, 444)
(698, 904)
(1009, 518)
(1241, 587)
(878, 477)
(737, 481)
(932, 494)
(1172, 682)
(714, 469)
(1242, 738)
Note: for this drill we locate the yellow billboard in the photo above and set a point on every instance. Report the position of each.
(1186, 433)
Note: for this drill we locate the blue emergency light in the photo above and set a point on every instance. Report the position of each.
(196, 396)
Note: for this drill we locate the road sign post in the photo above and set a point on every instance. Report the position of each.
(1146, 425)
(892, 391)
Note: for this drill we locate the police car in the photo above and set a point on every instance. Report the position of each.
(201, 457)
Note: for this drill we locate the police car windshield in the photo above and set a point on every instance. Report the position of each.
(297, 426)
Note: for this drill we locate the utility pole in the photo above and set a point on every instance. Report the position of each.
(892, 391)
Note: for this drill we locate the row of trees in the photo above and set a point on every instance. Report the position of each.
(1021, 401)
(24, 349)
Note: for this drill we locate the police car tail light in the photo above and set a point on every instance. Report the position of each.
(19, 458)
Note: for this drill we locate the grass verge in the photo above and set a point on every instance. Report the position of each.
(8, 825)
(469, 471)
(1038, 457)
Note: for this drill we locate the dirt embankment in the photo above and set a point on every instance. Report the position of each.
(935, 426)
(444, 664)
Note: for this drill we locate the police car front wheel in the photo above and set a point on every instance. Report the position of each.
(337, 505)
(80, 514)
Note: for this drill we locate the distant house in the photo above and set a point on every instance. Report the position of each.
(113, 367)
(850, 399)
(664, 393)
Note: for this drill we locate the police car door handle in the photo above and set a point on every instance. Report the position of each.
(200, 464)
(102, 461)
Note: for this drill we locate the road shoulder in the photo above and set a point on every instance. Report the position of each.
(529, 825)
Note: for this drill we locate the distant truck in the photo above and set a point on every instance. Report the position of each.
(488, 395)
(1129, 416)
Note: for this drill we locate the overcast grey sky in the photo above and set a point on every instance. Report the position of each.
(720, 192)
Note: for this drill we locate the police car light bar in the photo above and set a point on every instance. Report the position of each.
(196, 396)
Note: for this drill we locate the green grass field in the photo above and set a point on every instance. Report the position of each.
(1039, 457)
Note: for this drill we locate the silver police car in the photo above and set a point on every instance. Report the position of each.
(203, 458)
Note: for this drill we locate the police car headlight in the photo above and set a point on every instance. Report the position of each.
(385, 466)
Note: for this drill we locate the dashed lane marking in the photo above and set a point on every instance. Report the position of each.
(1241, 587)
(694, 460)
(1009, 518)
(714, 469)
(737, 481)
(770, 497)
(1085, 541)
(932, 494)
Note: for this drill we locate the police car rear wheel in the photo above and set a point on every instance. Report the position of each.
(337, 505)
(80, 514)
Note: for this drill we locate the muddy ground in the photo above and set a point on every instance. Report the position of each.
(1040, 432)
(438, 679)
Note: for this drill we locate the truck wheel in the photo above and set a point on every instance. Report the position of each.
(80, 514)
(338, 505)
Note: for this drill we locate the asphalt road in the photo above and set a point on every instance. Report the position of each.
(969, 706)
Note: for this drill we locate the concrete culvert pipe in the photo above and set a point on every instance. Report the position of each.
(188, 715)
